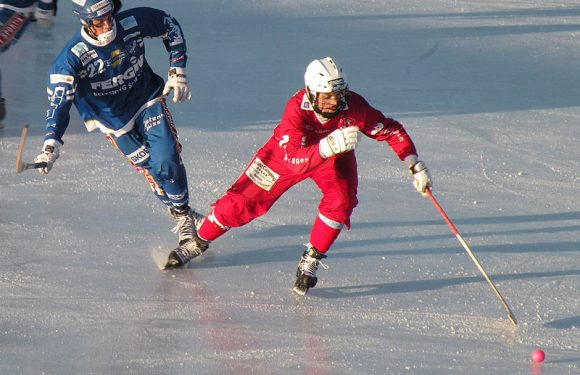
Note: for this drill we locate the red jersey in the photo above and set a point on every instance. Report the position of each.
(300, 130)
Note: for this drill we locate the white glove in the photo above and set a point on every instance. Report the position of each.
(177, 81)
(43, 17)
(339, 141)
(421, 177)
(48, 155)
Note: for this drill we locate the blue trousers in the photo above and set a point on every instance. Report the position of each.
(153, 149)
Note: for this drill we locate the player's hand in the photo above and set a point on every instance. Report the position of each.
(421, 177)
(48, 155)
(43, 17)
(339, 141)
(177, 81)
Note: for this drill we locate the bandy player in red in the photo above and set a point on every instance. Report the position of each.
(315, 139)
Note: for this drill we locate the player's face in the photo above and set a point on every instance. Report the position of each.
(102, 25)
(328, 102)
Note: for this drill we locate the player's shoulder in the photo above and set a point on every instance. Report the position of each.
(298, 95)
(75, 52)
(355, 98)
(140, 17)
(299, 102)
(138, 12)
(75, 46)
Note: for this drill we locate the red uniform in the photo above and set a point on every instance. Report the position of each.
(291, 155)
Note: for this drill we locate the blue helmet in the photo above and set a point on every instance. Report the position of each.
(88, 10)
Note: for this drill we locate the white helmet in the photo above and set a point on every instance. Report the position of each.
(324, 76)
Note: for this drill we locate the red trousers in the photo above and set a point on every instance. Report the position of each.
(267, 177)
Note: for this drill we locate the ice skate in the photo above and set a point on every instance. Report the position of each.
(190, 245)
(306, 271)
(186, 251)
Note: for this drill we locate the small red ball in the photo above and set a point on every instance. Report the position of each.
(538, 355)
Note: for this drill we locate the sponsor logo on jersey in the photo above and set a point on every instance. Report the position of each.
(79, 49)
(297, 161)
(80, 2)
(61, 78)
(117, 57)
(261, 174)
(139, 156)
(283, 141)
(306, 104)
(379, 128)
(88, 57)
(121, 79)
(152, 121)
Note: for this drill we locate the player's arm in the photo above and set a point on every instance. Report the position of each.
(61, 89)
(155, 23)
(392, 132)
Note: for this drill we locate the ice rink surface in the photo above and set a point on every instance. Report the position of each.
(490, 93)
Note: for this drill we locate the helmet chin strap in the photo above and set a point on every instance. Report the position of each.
(108, 36)
(104, 38)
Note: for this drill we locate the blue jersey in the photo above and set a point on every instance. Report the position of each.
(111, 84)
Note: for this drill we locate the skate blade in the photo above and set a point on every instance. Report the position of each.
(299, 291)
(171, 263)
(160, 258)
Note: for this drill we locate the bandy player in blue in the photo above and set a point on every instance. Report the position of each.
(103, 71)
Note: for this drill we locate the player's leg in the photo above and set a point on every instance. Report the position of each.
(338, 181)
(163, 160)
(166, 167)
(261, 184)
(143, 152)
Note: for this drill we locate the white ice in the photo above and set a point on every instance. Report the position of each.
(490, 93)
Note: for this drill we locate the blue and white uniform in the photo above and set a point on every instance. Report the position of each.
(115, 90)
(15, 16)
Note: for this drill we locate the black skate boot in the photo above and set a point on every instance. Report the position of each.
(306, 271)
(190, 245)
(2, 109)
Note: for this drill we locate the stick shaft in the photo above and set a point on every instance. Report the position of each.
(20, 165)
(21, 149)
(472, 256)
